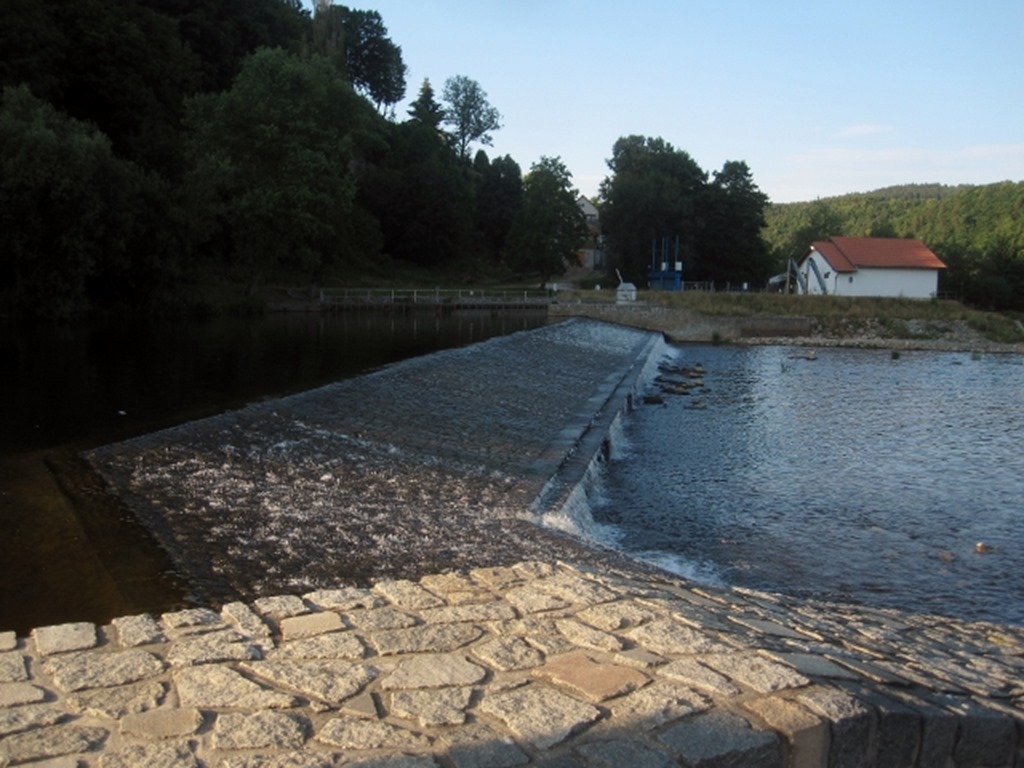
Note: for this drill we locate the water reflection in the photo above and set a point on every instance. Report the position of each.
(97, 382)
(854, 475)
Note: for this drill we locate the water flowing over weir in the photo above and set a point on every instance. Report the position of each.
(426, 465)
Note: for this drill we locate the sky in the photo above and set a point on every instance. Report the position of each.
(819, 98)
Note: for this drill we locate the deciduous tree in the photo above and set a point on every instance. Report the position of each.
(499, 196)
(358, 44)
(470, 115)
(273, 158)
(653, 192)
(731, 249)
(69, 208)
(550, 226)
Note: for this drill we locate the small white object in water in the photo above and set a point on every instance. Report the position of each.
(983, 549)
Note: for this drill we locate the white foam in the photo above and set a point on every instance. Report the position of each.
(703, 572)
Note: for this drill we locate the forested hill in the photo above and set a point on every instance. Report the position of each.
(978, 231)
(152, 148)
(913, 192)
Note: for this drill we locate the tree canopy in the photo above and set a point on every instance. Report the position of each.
(550, 226)
(358, 44)
(272, 156)
(656, 191)
(470, 115)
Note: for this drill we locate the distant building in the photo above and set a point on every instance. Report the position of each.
(869, 266)
(591, 255)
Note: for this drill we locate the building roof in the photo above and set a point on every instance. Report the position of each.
(848, 254)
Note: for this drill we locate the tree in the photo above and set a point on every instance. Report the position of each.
(499, 196)
(328, 33)
(120, 66)
(730, 247)
(653, 192)
(374, 63)
(70, 209)
(425, 109)
(550, 226)
(469, 114)
(272, 160)
(222, 33)
(357, 43)
(421, 195)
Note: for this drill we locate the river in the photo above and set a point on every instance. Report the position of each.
(855, 475)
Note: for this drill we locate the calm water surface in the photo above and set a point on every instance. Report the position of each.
(852, 476)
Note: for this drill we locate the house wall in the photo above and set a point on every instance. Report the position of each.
(908, 283)
(813, 287)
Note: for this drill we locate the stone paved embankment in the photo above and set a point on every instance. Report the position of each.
(562, 657)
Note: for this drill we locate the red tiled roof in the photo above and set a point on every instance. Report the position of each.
(833, 256)
(848, 254)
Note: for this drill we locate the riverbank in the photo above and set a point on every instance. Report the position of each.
(688, 326)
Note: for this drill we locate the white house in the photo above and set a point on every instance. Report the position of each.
(870, 266)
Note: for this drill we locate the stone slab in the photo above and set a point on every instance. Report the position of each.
(593, 680)
(48, 742)
(269, 729)
(81, 670)
(434, 671)
(446, 706)
(508, 653)
(310, 625)
(171, 722)
(216, 687)
(12, 667)
(358, 733)
(807, 734)
(61, 638)
(138, 630)
(15, 694)
(335, 645)
(720, 738)
(540, 715)
(427, 639)
(328, 681)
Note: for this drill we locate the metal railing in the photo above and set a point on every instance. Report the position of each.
(433, 297)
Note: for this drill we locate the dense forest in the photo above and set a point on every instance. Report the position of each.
(149, 147)
(152, 148)
(978, 231)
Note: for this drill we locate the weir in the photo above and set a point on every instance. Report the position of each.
(375, 587)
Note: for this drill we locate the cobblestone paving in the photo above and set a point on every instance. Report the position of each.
(531, 664)
(560, 657)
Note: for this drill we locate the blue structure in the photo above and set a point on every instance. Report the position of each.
(661, 277)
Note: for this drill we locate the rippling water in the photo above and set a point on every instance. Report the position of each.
(856, 475)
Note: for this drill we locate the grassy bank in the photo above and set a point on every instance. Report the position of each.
(834, 315)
